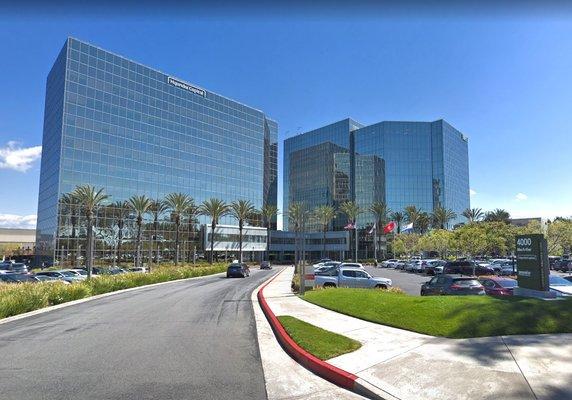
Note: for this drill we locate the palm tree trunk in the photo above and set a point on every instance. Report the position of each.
(177, 243)
(240, 240)
(88, 247)
(138, 262)
(213, 226)
(324, 242)
(268, 242)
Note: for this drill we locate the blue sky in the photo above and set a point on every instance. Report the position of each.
(506, 82)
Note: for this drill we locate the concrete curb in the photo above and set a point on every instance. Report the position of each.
(321, 368)
(98, 296)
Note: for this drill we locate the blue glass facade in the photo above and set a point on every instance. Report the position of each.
(402, 163)
(337, 134)
(116, 124)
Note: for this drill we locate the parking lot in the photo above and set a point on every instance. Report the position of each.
(409, 282)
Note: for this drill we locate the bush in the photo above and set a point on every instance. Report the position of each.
(20, 298)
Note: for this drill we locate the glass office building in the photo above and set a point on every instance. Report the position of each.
(338, 135)
(115, 124)
(424, 164)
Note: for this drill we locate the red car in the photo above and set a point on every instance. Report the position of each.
(498, 285)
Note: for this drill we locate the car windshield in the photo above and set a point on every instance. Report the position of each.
(235, 266)
(67, 273)
(558, 281)
(466, 282)
(508, 283)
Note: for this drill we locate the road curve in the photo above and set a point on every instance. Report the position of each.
(186, 340)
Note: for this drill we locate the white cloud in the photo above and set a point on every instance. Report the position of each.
(521, 197)
(18, 221)
(472, 192)
(13, 156)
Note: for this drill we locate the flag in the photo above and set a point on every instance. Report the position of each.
(372, 229)
(389, 227)
(407, 228)
(350, 225)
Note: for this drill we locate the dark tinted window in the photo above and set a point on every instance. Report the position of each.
(349, 274)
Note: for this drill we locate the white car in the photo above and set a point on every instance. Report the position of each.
(352, 265)
(389, 263)
(560, 286)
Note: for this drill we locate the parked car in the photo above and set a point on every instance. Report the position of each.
(401, 265)
(353, 277)
(138, 270)
(239, 270)
(497, 286)
(326, 266)
(496, 264)
(50, 279)
(508, 268)
(389, 263)
(10, 266)
(265, 265)
(565, 265)
(352, 265)
(466, 268)
(432, 267)
(560, 286)
(17, 278)
(63, 275)
(456, 285)
(76, 272)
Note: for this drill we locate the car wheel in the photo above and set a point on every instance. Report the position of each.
(380, 286)
(329, 285)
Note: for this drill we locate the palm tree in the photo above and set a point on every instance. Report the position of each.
(192, 214)
(71, 202)
(215, 209)
(324, 214)
(398, 217)
(90, 199)
(412, 215)
(379, 210)
(241, 210)
(423, 222)
(297, 215)
(352, 210)
(441, 217)
(498, 215)
(473, 214)
(268, 211)
(140, 206)
(177, 203)
(120, 214)
(156, 208)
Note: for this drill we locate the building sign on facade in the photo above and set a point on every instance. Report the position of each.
(532, 262)
(185, 86)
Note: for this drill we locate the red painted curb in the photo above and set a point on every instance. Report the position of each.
(323, 369)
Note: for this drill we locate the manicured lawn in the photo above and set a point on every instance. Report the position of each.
(20, 298)
(317, 341)
(450, 316)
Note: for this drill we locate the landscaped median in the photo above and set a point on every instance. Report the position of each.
(449, 316)
(317, 341)
(21, 298)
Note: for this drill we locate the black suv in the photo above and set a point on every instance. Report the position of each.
(467, 268)
(455, 285)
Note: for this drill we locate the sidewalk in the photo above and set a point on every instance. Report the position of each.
(413, 366)
(284, 377)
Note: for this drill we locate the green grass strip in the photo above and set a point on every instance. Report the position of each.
(450, 316)
(21, 298)
(317, 341)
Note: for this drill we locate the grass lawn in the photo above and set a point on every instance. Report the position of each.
(20, 298)
(450, 316)
(317, 341)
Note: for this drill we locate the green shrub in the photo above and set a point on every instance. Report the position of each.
(20, 298)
